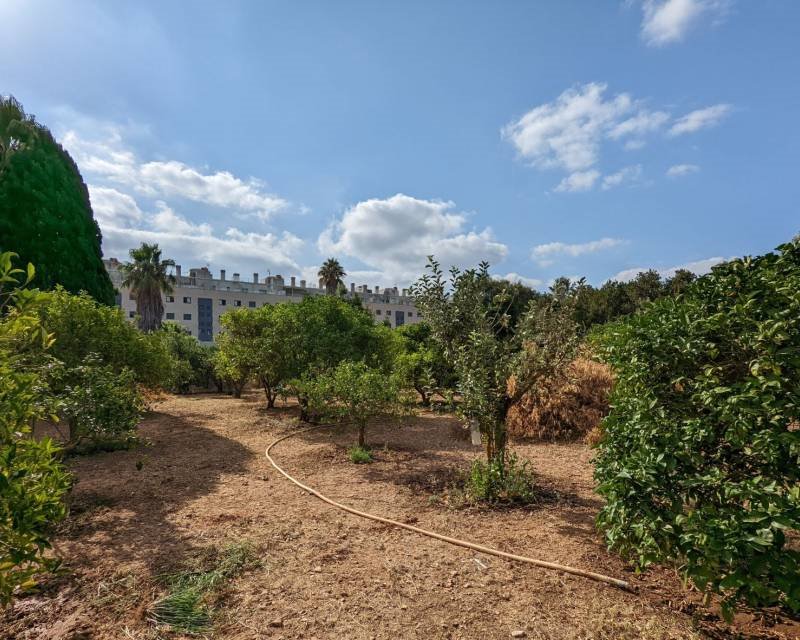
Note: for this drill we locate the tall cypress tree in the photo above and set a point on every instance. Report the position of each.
(45, 213)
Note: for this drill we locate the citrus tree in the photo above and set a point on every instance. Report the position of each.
(699, 461)
(496, 363)
(354, 393)
(32, 481)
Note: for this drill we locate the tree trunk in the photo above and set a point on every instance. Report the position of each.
(362, 435)
(426, 401)
(303, 402)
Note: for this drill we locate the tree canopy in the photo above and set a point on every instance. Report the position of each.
(45, 213)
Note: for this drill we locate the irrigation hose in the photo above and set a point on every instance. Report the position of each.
(599, 577)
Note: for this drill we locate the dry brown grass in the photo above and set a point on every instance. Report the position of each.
(568, 411)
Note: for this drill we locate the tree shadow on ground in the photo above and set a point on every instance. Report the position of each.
(127, 499)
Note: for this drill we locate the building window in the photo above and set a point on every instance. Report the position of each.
(131, 314)
(187, 316)
(252, 304)
(377, 312)
(222, 302)
(187, 300)
(237, 303)
(170, 298)
(410, 314)
(170, 315)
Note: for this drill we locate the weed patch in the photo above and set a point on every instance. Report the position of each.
(187, 607)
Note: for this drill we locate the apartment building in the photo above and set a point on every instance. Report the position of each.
(198, 299)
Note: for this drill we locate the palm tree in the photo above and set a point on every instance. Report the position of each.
(147, 278)
(331, 274)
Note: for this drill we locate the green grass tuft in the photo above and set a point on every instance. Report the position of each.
(359, 455)
(186, 606)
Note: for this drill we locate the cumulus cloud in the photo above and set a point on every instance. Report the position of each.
(570, 133)
(545, 254)
(578, 181)
(113, 207)
(698, 267)
(566, 133)
(678, 170)
(533, 283)
(642, 123)
(668, 21)
(700, 119)
(395, 235)
(624, 175)
(109, 160)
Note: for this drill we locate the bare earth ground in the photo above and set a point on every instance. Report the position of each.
(204, 480)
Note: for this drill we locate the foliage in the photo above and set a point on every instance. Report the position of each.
(148, 277)
(331, 274)
(496, 364)
(32, 481)
(103, 406)
(82, 327)
(699, 460)
(45, 213)
(359, 455)
(420, 363)
(191, 360)
(186, 607)
(353, 393)
(615, 299)
(509, 483)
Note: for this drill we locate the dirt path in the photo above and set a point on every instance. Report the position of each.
(204, 480)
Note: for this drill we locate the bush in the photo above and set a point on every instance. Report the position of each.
(570, 409)
(191, 361)
(493, 482)
(32, 481)
(81, 327)
(699, 461)
(353, 393)
(102, 407)
(359, 455)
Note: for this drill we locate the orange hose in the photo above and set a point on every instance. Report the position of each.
(599, 577)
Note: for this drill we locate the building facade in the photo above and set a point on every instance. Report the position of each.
(198, 300)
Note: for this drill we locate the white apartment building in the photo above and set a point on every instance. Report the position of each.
(198, 300)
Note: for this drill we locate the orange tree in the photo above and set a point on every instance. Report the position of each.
(699, 461)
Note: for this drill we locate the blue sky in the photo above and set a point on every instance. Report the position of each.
(551, 138)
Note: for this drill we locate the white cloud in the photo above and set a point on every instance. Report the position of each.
(698, 267)
(111, 206)
(642, 123)
(626, 174)
(545, 254)
(566, 133)
(700, 119)
(395, 235)
(578, 181)
(570, 132)
(668, 21)
(678, 170)
(109, 160)
(533, 283)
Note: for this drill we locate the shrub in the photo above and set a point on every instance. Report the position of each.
(488, 481)
(569, 409)
(32, 481)
(102, 407)
(699, 461)
(359, 455)
(353, 393)
(81, 326)
(191, 361)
